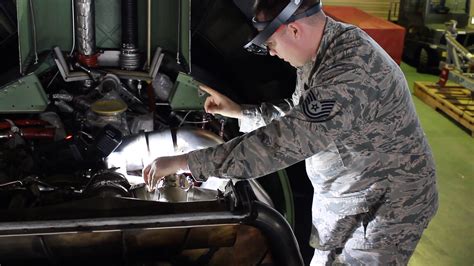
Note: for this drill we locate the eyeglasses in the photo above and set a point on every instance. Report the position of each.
(266, 28)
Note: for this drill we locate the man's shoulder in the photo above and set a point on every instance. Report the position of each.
(348, 48)
(336, 30)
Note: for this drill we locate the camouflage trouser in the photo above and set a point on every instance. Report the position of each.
(386, 235)
(354, 253)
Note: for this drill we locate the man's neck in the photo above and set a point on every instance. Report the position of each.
(317, 36)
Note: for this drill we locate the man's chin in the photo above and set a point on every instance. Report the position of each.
(295, 65)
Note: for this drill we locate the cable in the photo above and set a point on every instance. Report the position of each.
(11, 183)
(184, 118)
(197, 123)
(35, 48)
(52, 79)
(73, 14)
(86, 134)
(179, 33)
(148, 34)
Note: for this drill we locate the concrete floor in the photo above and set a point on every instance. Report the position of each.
(449, 238)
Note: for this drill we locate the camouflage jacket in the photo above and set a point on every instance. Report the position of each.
(354, 123)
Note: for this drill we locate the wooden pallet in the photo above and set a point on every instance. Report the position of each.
(454, 100)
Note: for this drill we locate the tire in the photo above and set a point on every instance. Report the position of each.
(423, 61)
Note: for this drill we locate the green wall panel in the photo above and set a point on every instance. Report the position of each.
(54, 26)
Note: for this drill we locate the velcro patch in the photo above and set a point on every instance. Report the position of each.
(315, 110)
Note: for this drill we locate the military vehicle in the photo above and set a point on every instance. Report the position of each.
(424, 20)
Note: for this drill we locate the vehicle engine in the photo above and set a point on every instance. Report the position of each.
(58, 144)
(93, 106)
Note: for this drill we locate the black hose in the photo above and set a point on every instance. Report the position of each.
(129, 24)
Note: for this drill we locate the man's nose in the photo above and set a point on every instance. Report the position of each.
(272, 52)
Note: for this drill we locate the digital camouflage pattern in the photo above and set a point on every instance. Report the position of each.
(369, 162)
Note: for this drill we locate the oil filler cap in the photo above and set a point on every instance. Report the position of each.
(109, 107)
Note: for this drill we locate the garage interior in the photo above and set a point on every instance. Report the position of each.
(216, 60)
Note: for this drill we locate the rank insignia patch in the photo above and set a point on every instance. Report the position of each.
(315, 110)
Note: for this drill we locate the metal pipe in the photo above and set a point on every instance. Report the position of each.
(85, 26)
(457, 46)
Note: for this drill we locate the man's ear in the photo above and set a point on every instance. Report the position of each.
(294, 30)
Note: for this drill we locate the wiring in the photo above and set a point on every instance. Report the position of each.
(183, 120)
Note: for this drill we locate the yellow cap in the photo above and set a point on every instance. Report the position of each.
(109, 107)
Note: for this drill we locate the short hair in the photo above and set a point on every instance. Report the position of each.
(271, 8)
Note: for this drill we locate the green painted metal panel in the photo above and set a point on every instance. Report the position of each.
(53, 20)
(186, 94)
(185, 46)
(24, 34)
(25, 95)
(170, 19)
(108, 28)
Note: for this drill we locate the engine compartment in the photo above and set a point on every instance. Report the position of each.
(100, 95)
(67, 150)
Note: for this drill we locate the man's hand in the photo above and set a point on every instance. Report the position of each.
(218, 103)
(163, 166)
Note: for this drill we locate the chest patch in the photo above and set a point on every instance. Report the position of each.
(316, 110)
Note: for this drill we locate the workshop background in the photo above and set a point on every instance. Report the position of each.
(447, 118)
(449, 238)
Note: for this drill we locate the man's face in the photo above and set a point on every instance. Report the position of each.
(284, 44)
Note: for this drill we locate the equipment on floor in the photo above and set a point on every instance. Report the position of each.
(459, 64)
(425, 45)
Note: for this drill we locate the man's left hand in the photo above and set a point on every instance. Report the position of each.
(163, 166)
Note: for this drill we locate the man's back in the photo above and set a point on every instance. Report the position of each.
(379, 157)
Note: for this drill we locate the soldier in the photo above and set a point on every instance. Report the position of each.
(351, 119)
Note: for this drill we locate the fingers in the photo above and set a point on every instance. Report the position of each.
(153, 180)
(161, 167)
(150, 176)
(145, 173)
(208, 90)
(210, 105)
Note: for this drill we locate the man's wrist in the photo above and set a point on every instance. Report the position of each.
(184, 163)
(182, 166)
(239, 112)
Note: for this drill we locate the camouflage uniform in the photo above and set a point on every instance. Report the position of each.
(354, 123)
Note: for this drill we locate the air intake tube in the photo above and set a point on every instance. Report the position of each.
(129, 56)
(85, 32)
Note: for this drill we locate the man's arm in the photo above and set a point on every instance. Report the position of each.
(254, 116)
(309, 128)
(250, 116)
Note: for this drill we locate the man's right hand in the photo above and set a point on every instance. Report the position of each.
(218, 103)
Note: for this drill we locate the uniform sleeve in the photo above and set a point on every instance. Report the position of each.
(322, 115)
(254, 116)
